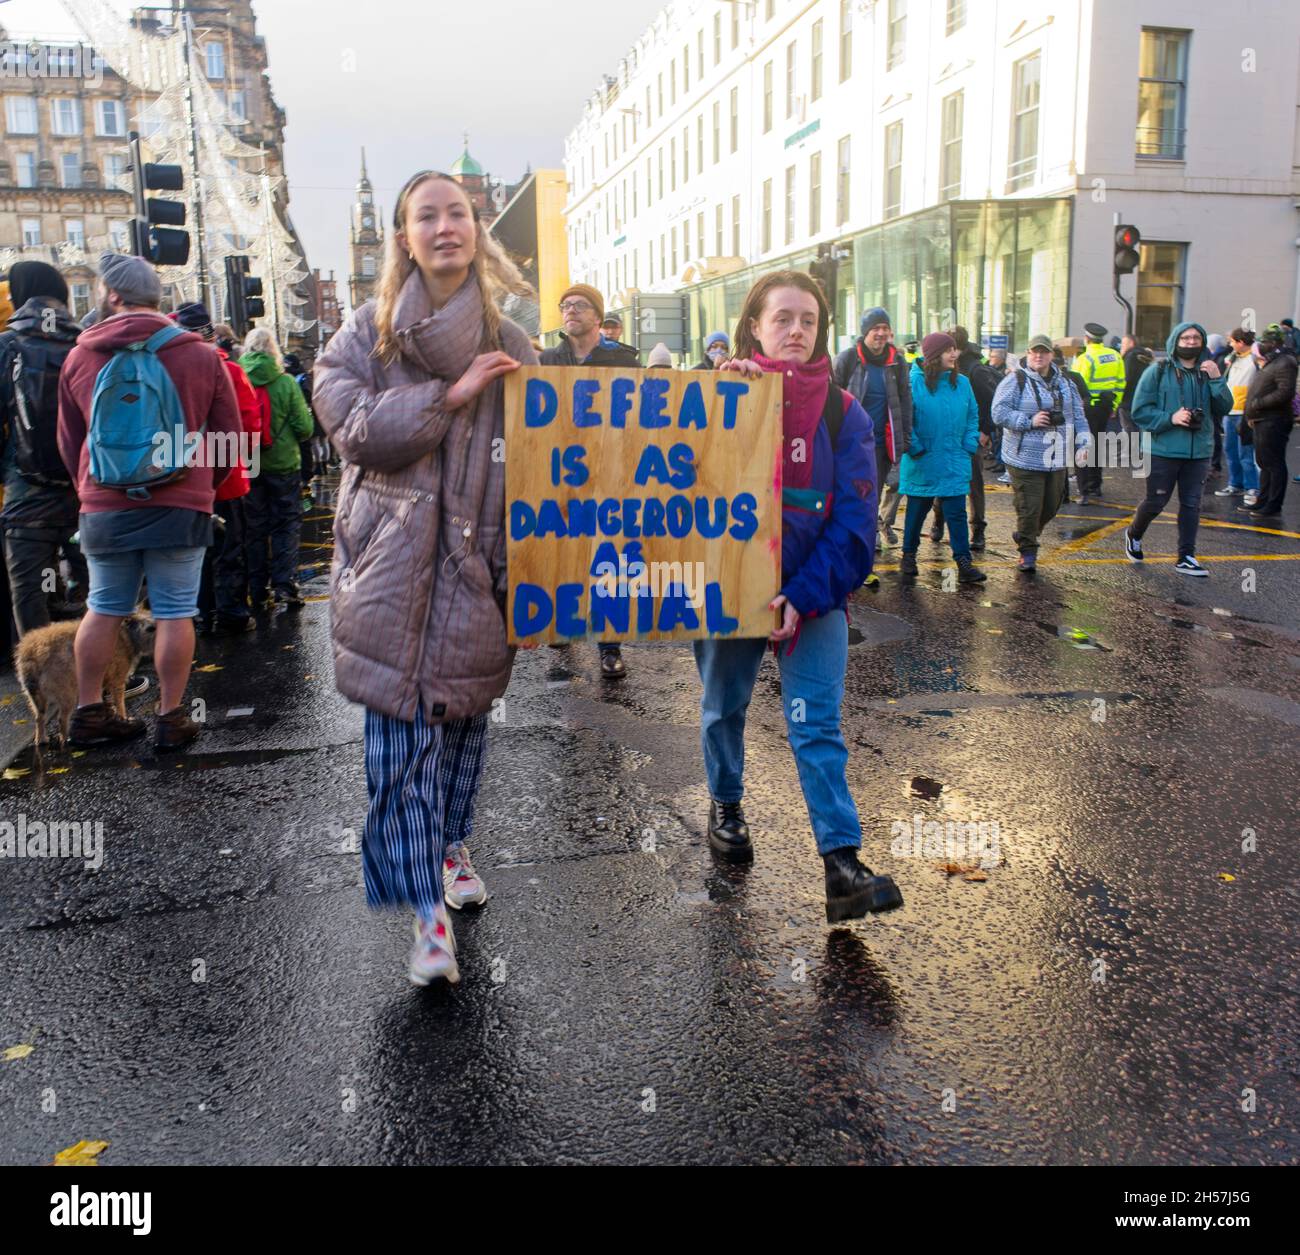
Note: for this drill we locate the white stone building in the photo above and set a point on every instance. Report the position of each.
(966, 158)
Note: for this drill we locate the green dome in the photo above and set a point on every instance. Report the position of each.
(466, 165)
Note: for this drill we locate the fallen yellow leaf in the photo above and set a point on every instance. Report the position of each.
(83, 1155)
(976, 877)
(57, 771)
(17, 1052)
(1226, 876)
(78, 753)
(955, 869)
(17, 773)
(212, 666)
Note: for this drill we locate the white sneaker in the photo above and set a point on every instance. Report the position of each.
(1004, 478)
(461, 885)
(433, 957)
(1250, 499)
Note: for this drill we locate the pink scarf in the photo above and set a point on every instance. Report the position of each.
(805, 388)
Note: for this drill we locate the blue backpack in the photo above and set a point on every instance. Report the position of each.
(137, 424)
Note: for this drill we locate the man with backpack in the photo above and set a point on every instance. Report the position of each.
(134, 393)
(40, 503)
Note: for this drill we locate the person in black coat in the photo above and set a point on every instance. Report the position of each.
(1270, 411)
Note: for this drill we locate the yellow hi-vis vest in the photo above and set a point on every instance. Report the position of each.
(1102, 369)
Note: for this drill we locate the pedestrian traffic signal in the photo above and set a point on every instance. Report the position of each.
(243, 296)
(1128, 250)
(154, 229)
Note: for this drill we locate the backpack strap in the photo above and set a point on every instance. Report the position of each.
(163, 336)
(833, 415)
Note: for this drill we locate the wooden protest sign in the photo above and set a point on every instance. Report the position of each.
(641, 505)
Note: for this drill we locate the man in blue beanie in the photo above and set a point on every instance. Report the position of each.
(875, 372)
(717, 348)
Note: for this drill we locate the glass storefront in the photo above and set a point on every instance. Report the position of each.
(999, 268)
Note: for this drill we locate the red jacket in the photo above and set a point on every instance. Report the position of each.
(250, 415)
(206, 393)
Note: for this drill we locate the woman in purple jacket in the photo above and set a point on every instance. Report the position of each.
(827, 548)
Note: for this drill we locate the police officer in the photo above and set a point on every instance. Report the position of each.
(1101, 368)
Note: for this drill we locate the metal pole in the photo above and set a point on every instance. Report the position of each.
(269, 286)
(205, 283)
(140, 226)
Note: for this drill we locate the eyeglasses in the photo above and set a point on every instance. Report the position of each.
(575, 307)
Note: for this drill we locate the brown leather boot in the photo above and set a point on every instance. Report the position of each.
(174, 730)
(96, 724)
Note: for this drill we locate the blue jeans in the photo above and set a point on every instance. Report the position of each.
(1188, 476)
(812, 689)
(954, 514)
(1242, 471)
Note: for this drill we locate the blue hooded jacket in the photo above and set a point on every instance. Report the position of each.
(1167, 387)
(945, 432)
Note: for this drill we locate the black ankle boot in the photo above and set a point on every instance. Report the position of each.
(977, 539)
(907, 566)
(852, 889)
(729, 833)
(968, 572)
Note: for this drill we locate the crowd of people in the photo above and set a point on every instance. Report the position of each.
(410, 393)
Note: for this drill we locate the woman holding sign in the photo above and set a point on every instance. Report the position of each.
(410, 392)
(828, 523)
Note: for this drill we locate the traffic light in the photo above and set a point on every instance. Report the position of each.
(154, 233)
(243, 295)
(1128, 250)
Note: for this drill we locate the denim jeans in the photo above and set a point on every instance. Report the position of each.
(1242, 471)
(954, 513)
(812, 689)
(1188, 474)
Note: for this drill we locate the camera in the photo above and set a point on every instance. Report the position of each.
(1057, 412)
(1194, 419)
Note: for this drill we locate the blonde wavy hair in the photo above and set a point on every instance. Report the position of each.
(493, 271)
(261, 340)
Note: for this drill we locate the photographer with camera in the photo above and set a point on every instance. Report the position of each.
(1045, 428)
(1178, 401)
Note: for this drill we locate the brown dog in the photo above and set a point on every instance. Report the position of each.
(47, 672)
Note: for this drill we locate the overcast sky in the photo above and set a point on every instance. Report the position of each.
(513, 73)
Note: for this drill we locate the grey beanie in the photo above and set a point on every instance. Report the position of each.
(132, 278)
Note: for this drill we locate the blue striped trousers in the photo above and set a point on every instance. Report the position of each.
(422, 779)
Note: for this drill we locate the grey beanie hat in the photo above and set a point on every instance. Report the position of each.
(132, 278)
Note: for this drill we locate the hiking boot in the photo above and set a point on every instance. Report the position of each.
(1028, 562)
(174, 730)
(968, 572)
(907, 566)
(96, 724)
(729, 833)
(853, 890)
(977, 538)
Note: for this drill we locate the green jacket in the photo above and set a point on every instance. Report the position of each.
(1166, 388)
(290, 417)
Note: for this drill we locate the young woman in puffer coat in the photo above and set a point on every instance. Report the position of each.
(937, 464)
(828, 538)
(411, 394)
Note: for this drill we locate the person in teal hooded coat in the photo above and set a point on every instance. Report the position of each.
(1179, 402)
(937, 464)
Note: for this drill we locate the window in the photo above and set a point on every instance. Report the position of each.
(26, 169)
(893, 170)
(791, 52)
(70, 170)
(699, 53)
(717, 39)
(74, 231)
(20, 115)
(815, 194)
(661, 96)
(815, 90)
(110, 118)
(80, 299)
(31, 231)
(633, 193)
(119, 233)
(767, 98)
(789, 205)
(686, 69)
(65, 116)
(647, 105)
(216, 57)
(368, 266)
(686, 240)
(663, 258)
(735, 27)
(1162, 94)
(672, 88)
(686, 154)
(649, 183)
(1024, 122)
(699, 235)
(735, 118)
(1160, 291)
(846, 39)
(956, 16)
(735, 226)
(717, 228)
(717, 131)
(842, 182)
(675, 270)
(672, 166)
(699, 144)
(767, 215)
(897, 47)
(950, 160)
(239, 110)
(661, 174)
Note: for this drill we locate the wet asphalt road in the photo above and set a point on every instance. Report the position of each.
(218, 992)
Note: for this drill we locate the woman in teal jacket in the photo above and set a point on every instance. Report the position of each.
(1179, 402)
(945, 433)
